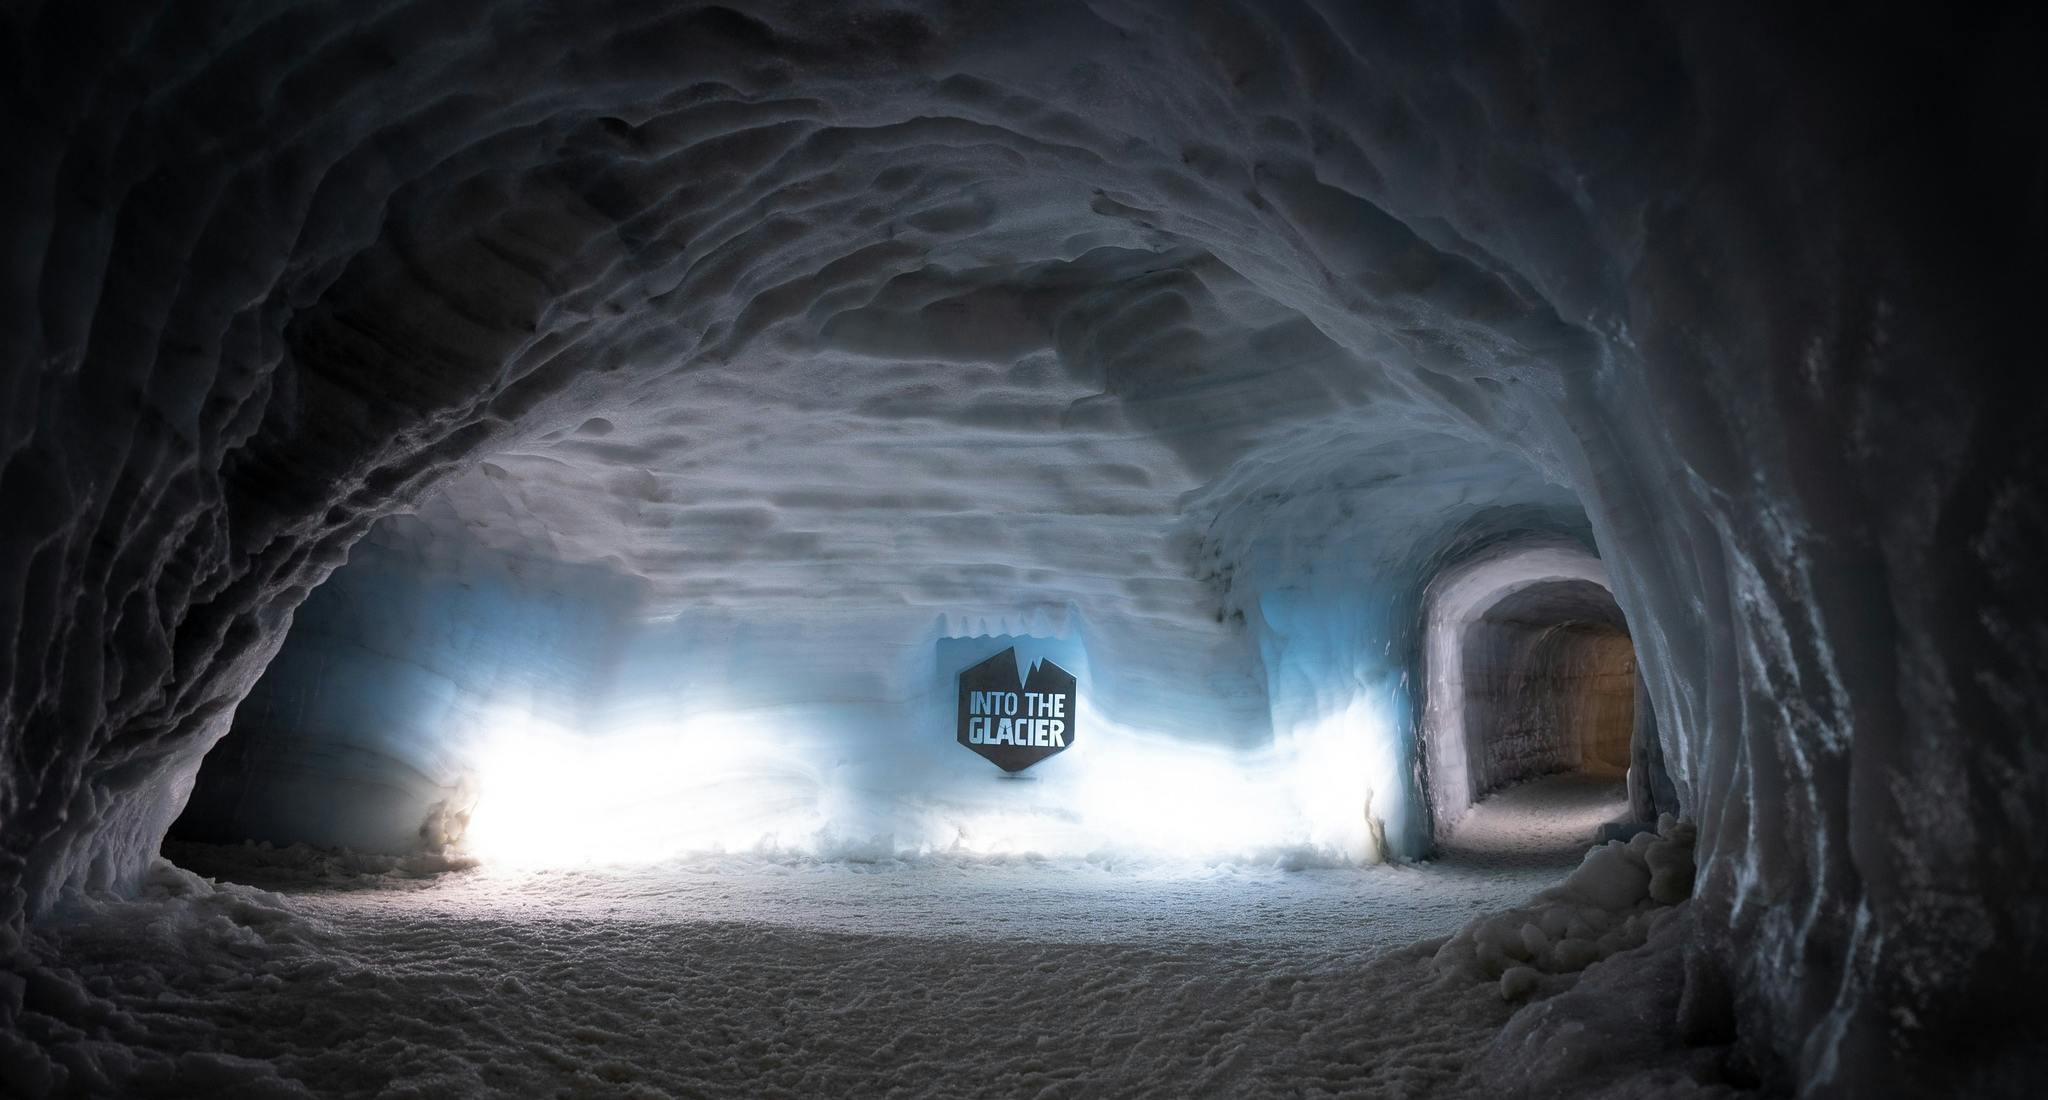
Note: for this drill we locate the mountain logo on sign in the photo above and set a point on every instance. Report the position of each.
(1015, 724)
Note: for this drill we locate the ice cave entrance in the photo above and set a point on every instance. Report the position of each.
(1531, 674)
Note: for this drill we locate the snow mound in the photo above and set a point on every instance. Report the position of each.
(66, 1031)
(1616, 899)
(306, 864)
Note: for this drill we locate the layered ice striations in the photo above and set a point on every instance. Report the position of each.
(1258, 317)
(437, 691)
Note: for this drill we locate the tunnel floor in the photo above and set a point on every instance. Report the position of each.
(741, 975)
(1539, 825)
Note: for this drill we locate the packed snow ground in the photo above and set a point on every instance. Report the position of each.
(736, 976)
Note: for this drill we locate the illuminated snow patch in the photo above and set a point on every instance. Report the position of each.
(547, 797)
(750, 783)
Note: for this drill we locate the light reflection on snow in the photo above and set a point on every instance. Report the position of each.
(548, 797)
(732, 783)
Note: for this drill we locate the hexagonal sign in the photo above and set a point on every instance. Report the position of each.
(1016, 724)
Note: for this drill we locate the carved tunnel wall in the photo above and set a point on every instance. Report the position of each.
(1549, 684)
(1711, 288)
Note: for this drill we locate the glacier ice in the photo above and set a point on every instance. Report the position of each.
(1211, 336)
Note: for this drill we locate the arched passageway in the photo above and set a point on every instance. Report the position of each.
(1529, 671)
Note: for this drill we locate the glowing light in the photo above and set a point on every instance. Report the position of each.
(1338, 766)
(1125, 793)
(739, 783)
(548, 797)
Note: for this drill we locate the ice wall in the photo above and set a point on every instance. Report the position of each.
(1724, 275)
(363, 731)
(1323, 544)
(436, 690)
(1273, 678)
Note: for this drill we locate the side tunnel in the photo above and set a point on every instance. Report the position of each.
(1529, 670)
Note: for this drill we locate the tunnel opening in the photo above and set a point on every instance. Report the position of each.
(1532, 680)
(1550, 685)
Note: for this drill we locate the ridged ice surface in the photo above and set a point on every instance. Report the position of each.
(1231, 326)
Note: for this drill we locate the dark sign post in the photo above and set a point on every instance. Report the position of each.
(1015, 725)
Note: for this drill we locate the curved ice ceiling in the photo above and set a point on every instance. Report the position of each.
(1720, 278)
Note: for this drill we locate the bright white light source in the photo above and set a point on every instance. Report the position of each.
(1337, 766)
(548, 797)
(778, 785)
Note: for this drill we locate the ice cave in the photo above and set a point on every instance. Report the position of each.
(1102, 548)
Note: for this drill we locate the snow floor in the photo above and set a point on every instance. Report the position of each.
(351, 976)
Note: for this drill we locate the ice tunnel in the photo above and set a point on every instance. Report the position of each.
(1530, 670)
(492, 482)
